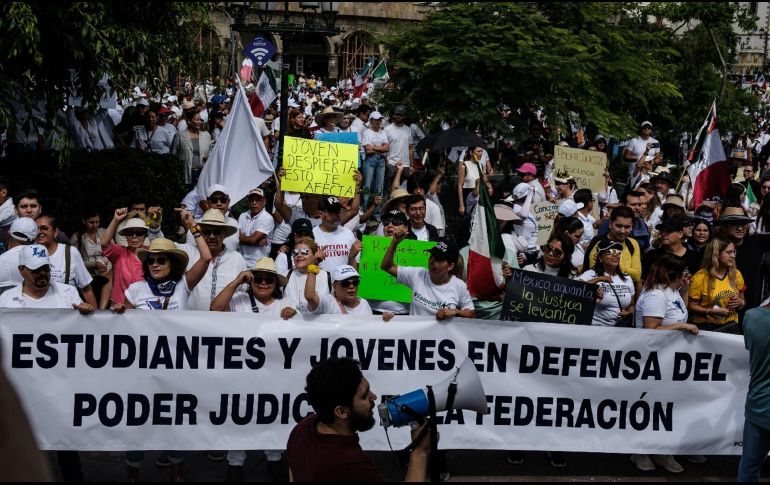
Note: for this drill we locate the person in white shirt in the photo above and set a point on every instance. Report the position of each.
(333, 239)
(435, 291)
(217, 197)
(528, 174)
(556, 259)
(375, 146)
(255, 226)
(67, 264)
(151, 137)
(618, 299)
(23, 232)
(643, 145)
(257, 290)
(400, 145)
(7, 210)
(586, 198)
(304, 254)
(344, 298)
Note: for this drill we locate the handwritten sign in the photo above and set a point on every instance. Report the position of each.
(585, 166)
(545, 215)
(318, 167)
(380, 285)
(537, 297)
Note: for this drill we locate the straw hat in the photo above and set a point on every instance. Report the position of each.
(733, 214)
(163, 246)
(215, 218)
(320, 118)
(395, 196)
(133, 223)
(505, 213)
(267, 265)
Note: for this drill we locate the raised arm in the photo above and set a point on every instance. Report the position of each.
(310, 294)
(222, 302)
(120, 215)
(198, 270)
(397, 178)
(387, 261)
(280, 204)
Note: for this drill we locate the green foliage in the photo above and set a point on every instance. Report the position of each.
(105, 180)
(130, 41)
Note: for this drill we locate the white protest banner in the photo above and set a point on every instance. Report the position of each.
(169, 380)
(585, 166)
(545, 216)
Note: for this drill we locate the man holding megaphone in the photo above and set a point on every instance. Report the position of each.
(324, 446)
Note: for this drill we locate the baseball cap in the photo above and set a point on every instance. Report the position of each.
(607, 244)
(399, 110)
(216, 188)
(569, 207)
(521, 191)
(34, 256)
(528, 168)
(344, 272)
(376, 115)
(645, 123)
(330, 204)
(302, 226)
(445, 250)
(164, 111)
(395, 215)
(257, 191)
(24, 229)
(142, 102)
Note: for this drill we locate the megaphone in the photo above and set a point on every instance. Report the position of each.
(461, 390)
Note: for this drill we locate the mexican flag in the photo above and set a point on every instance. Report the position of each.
(264, 95)
(708, 168)
(380, 74)
(362, 77)
(485, 258)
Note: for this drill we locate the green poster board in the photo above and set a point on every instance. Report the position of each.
(376, 284)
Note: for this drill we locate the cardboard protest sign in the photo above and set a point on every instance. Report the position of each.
(585, 166)
(379, 285)
(318, 167)
(545, 215)
(537, 297)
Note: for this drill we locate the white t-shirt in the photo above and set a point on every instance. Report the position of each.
(637, 146)
(329, 306)
(262, 222)
(141, 297)
(9, 267)
(58, 296)
(221, 271)
(664, 303)
(527, 230)
(607, 310)
(79, 275)
(428, 298)
(422, 234)
(578, 256)
(588, 227)
(336, 245)
(434, 216)
(242, 303)
(295, 288)
(399, 138)
(374, 138)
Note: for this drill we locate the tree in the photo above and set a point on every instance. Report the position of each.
(602, 61)
(40, 42)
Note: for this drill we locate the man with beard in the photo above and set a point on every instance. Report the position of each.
(324, 446)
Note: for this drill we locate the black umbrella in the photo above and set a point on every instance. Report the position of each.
(453, 137)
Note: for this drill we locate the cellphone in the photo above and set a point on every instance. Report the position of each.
(656, 145)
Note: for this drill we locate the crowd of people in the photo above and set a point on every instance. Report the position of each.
(660, 262)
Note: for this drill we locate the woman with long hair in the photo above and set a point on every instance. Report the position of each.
(654, 211)
(716, 291)
(296, 125)
(556, 258)
(761, 224)
(192, 145)
(573, 228)
(735, 197)
(618, 299)
(88, 242)
(701, 234)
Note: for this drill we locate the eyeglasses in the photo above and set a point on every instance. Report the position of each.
(268, 280)
(138, 233)
(159, 260)
(351, 282)
(212, 232)
(303, 252)
(219, 200)
(554, 251)
(392, 222)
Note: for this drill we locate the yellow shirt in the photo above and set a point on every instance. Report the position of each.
(630, 264)
(719, 295)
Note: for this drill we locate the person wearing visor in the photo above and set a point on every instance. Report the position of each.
(435, 291)
(618, 301)
(344, 298)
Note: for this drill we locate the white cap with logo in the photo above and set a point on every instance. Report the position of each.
(34, 256)
(344, 272)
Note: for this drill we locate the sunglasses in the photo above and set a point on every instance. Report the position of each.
(212, 232)
(350, 282)
(43, 269)
(392, 223)
(613, 252)
(268, 280)
(554, 251)
(303, 252)
(138, 233)
(219, 200)
(159, 260)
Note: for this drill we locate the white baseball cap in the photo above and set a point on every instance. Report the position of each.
(344, 272)
(216, 188)
(376, 115)
(569, 207)
(24, 229)
(34, 256)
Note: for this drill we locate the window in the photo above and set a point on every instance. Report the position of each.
(357, 49)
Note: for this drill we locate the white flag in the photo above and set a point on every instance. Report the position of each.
(239, 160)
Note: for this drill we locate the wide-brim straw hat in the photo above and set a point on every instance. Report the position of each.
(505, 213)
(675, 200)
(267, 265)
(395, 196)
(733, 214)
(134, 223)
(164, 246)
(328, 111)
(215, 218)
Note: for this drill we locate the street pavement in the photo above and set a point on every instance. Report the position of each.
(467, 466)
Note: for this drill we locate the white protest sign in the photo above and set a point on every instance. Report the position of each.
(203, 380)
(545, 216)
